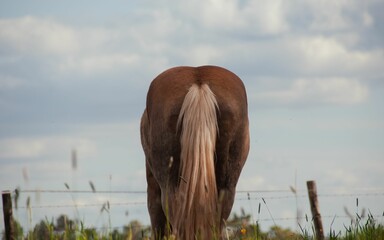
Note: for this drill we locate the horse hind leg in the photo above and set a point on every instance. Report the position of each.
(235, 152)
(158, 218)
(154, 203)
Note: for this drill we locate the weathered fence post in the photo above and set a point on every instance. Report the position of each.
(8, 218)
(312, 193)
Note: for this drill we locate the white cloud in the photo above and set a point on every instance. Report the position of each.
(342, 178)
(27, 148)
(82, 50)
(251, 183)
(251, 17)
(327, 54)
(33, 35)
(266, 17)
(368, 20)
(221, 14)
(161, 37)
(274, 17)
(318, 91)
(201, 54)
(332, 16)
(328, 15)
(89, 50)
(21, 148)
(309, 56)
(94, 64)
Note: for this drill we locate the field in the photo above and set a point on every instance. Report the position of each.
(73, 230)
(239, 226)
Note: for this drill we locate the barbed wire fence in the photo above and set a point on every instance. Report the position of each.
(243, 198)
(252, 196)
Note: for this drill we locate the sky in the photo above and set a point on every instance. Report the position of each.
(74, 77)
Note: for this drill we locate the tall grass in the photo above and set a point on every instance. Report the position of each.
(238, 227)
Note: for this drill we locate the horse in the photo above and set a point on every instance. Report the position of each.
(195, 136)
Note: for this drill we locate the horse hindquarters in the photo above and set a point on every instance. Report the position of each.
(162, 141)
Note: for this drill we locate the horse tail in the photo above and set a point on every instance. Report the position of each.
(197, 189)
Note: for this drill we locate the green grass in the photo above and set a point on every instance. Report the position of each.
(238, 228)
(71, 230)
(367, 229)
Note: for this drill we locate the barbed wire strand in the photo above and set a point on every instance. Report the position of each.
(82, 191)
(237, 199)
(371, 193)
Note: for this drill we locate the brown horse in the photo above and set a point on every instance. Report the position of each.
(195, 136)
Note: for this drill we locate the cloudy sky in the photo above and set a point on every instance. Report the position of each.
(74, 76)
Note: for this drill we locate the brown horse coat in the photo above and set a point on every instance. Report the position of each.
(194, 132)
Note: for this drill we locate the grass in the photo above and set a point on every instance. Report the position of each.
(360, 230)
(238, 229)
(368, 229)
(243, 227)
(363, 230)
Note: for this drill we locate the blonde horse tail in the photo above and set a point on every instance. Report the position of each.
(197, 192)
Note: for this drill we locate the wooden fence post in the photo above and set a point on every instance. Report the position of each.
(8, 219)
(312, 193)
